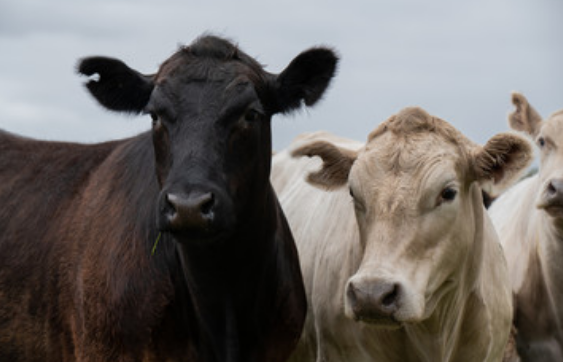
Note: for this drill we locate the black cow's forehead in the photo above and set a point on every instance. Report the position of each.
(209, 68)
(196, 97)
(210, 59)
(203, 78)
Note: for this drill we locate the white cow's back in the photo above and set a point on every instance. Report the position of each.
(324, 265)
(532, 250)
(515, 218)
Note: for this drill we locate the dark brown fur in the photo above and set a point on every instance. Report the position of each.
(78, 222)
(77, 278)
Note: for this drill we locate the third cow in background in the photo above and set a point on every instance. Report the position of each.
(529, 220)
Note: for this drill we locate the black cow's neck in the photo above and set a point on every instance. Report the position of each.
(221, 275)
(224, 293)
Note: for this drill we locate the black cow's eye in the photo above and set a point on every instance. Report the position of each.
(252, 115)
(448, 194)
(541, 141)
(155, 119)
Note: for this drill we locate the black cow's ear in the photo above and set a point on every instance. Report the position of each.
(305, 79)
(117, 87)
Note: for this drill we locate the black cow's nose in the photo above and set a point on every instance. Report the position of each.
(374, 301)
(193, 211)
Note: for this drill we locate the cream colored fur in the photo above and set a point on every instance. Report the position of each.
(448, 255)
(533, 240)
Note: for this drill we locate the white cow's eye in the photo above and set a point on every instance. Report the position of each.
(541, 142)
(448, 194)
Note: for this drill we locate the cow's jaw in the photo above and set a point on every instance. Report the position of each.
(412, 244)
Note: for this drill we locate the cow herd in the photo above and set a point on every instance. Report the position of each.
(191, 242)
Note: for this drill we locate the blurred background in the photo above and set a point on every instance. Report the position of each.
(459, 60)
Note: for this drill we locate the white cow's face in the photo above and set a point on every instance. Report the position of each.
(415, 187)
(412, 203)
(550, 143)
(548, 136)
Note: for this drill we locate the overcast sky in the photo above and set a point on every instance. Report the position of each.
(459, 60)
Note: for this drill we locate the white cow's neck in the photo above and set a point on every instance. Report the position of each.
(461, 310)
(550, 256)
(460, 315)
(435, 339)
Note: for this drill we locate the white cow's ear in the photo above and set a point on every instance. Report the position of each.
(501, 161)
(524, 118)
(336, 166)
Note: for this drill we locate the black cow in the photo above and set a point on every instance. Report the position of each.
(78, 223)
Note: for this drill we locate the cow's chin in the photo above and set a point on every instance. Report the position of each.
(205, 234)
(408, 314)
(394, 322)
(381, 323)
(200, 237)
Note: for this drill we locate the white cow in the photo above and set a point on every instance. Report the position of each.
(529, 220)
(400, 260)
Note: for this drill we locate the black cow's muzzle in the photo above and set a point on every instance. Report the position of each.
(196, 213)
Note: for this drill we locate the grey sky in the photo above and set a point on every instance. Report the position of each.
(457, 59)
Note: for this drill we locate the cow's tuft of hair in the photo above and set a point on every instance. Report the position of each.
(211, 46)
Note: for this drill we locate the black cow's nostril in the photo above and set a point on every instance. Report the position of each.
(207, 203)
(168, 204)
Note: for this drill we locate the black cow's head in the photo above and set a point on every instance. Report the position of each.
(211, 106)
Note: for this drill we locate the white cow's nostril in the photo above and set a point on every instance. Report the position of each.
(391, 298)
(551, 188)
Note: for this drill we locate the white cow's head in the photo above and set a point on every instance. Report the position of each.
(548, 135)
(416, 191)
